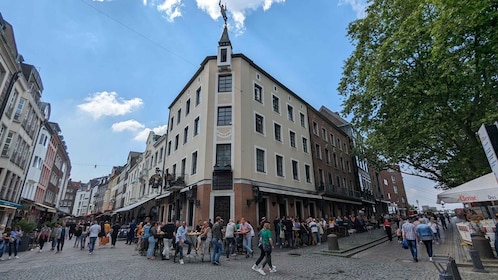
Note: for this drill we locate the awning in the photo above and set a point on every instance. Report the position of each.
(134, 205)
(484, 188)
(11, 205)
(163, 195)
(45, 207)
(270, 190)
(341, 200)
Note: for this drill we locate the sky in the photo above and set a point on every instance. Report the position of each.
(111, 68)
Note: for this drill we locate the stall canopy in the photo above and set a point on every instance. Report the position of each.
(484, 188)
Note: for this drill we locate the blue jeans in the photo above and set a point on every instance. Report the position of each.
(2, 247)
(247, 244)
(91, 246)
(54, 242)
(412, 244)
(152, 245)
(217, 250)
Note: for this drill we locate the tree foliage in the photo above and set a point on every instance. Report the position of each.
(421, 81)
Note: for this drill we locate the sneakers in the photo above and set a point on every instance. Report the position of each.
(41, 250)
(10, 257)
(254, 267)
(16, 257)
(261, 271)
(2, 259)
(89, 253)
(181, 261)
(430, 259)
(273, 269)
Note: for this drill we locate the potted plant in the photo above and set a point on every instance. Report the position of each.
(27, 227)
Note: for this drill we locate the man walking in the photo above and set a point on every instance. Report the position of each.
(131, 232)
(93, 234)
(409, 234)
(62, 232)
(217, 242)
(245, 228)
(181, 238)
(230, 238)
(169, 230)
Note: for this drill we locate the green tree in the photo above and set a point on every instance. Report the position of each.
(421, 81)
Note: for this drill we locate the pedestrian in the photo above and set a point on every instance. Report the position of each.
(3, 240)
(15, 240)
(93, 233)
(131, 232)
(425, 236)
(53, 236)
(266, 245)
(43, 236)
(84, 234)
(435, 226)
(230, 238)
(315, 232)
(114, 234)
(77, 236)
(169, 231)
(409, 234)
(62, 234)
(245, 229)
(277, 227)
(152, 241)
(217, 241)
(387, 228)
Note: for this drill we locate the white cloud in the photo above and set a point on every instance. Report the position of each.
(102, 0)
(359, 6)
(131, 125)
(170, 7)
(237, 10)
(109, 104)
(142, 135)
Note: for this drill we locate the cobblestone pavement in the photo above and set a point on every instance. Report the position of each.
(385, 261)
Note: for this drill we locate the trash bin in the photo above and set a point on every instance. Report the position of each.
(332, 242)
(450, 272)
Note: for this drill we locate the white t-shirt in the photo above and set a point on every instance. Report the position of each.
(94, 230)
(313, 227)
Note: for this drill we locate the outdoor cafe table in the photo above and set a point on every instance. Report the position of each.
(192, 236)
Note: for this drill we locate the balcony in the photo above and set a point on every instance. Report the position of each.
(331, 190)
(175, 181)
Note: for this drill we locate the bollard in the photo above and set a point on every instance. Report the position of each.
(476, 261)
(332, 242)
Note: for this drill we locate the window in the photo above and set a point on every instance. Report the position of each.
(6, 146)
(331, 140)
(223, 154)
(198, 97)
(292, 139)
(260, 160)
(276, 104)
(315, 128)
(393, 178)
(290, 113)
(179, 116)
(395, 189)
(318, 151)
(187, 107)
(302, 119)
(339, 143)
(295, 174)
(279, 160)
(169, 148)
(307, 170)
(305, 145)
(20, 105)
(194, 163)
(197, 126)
(258, 93)
(171, 123)
(327, 156)
(277, 130)
(225, 115)
(335, 160)
(324, 134)
(259, 121)
(223, 57)
(185, 135)
(225, 83)
(177, 139)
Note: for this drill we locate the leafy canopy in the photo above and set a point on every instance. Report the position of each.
(421, 81)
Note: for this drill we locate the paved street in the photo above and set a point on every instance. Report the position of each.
(385, 261)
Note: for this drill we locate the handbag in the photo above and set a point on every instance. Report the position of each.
(267, 248)
(404, 244)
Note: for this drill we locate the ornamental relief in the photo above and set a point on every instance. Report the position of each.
(225, 132)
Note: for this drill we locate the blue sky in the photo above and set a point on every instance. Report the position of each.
(110, 69)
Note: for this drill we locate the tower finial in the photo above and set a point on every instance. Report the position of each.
(223, 9)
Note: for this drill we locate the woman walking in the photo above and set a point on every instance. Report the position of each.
(43, 236)
(266, 246)
(387, 228)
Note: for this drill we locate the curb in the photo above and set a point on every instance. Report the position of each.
(347, 253)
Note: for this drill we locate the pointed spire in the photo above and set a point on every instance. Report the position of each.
(224, 40)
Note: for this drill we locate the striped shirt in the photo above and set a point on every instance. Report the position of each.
(409, 231)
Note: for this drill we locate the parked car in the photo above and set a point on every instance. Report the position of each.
(123, 232)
